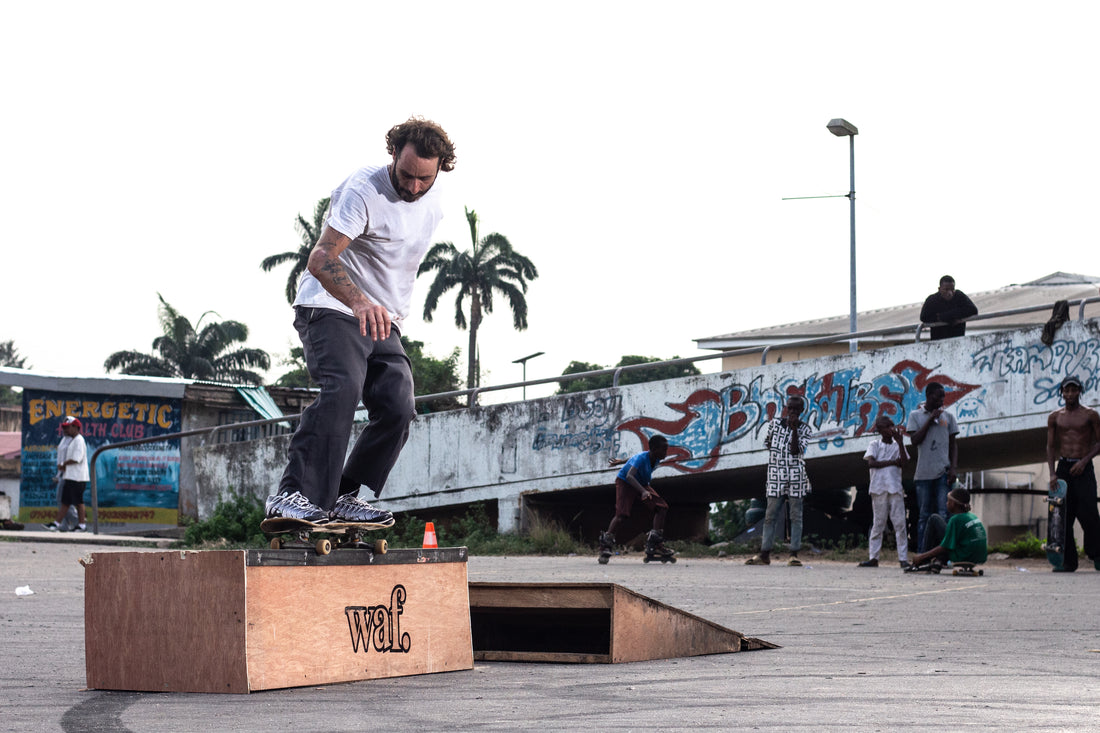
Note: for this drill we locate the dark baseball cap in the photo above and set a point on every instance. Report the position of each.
(1071, 379)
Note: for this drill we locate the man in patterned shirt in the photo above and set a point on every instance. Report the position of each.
(787, 480)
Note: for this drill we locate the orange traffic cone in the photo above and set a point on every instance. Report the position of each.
(429, 536)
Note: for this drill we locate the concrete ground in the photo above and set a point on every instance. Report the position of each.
(866, 649)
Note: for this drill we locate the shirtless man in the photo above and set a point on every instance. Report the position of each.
(1073, 439)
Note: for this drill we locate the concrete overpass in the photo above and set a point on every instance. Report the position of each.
(552, 454)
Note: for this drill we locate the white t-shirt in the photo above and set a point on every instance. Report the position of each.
(74, 449)
(884, 480)
(389, 238)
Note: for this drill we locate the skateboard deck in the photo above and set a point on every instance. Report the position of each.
(1055, 545)
(966, 568)
(344, 535)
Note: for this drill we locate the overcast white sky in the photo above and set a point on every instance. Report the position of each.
(637, 152)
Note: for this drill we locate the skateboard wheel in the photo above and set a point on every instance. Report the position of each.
(323, 547)
(276, 543)
(381, 546)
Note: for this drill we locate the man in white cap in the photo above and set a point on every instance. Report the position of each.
(72, 472)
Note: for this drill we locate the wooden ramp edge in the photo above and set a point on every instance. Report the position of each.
(594, 623)
(245, 620)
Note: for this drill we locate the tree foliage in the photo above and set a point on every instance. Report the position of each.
(298, 376)
(653, 374)
(430, 375)
(490, 266)
(433, 376)
(10, 357)
(194, 352)
(309, 232)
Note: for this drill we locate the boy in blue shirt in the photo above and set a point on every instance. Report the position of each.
(633, 483)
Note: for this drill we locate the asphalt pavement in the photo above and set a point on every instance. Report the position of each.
(862, 649)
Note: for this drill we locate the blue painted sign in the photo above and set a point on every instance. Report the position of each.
(137, 484)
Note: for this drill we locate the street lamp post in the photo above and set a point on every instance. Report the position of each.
(843, 128)
(523, 361)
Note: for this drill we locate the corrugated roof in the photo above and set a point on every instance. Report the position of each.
(1044, 291)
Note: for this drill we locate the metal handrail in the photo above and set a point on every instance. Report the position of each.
(615, 372)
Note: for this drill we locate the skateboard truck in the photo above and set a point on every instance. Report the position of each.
(344, 535)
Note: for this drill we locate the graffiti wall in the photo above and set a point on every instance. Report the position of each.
(139, 484)
(995, 383)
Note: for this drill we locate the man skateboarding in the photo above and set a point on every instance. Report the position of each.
(349, 311)
(1073, 440)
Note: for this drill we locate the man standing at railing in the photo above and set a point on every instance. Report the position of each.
(350, 306)
(1073, 440)
(949, 306)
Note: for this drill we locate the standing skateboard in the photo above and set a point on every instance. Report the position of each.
(345, 534)
(1055, 545)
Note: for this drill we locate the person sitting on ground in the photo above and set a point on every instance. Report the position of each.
(961, 539)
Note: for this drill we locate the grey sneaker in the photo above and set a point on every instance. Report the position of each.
(350, 508)
(294, 506)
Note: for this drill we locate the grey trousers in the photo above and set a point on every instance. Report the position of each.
(771, 518)
(348, 367)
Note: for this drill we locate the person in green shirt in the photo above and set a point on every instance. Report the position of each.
(961, 539)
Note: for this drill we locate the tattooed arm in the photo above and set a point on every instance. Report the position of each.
(325, 265)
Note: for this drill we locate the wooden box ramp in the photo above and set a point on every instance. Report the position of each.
(245, 620)
(589, 623)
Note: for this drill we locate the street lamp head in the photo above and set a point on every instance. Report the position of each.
(842, 127)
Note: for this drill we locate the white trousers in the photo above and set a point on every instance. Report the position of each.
(892, 507)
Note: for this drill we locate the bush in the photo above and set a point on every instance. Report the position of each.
(1026, 545)
(236, 521)
(727, 520)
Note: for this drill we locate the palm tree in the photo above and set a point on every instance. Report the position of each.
(309, 232)
(492, 265)
(183, 351)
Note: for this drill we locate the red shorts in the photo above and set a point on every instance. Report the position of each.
(626, 495)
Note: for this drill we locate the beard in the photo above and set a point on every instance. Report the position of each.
(403, 193)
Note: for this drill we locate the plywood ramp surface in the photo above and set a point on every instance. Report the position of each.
(589, 623)
(239, 621)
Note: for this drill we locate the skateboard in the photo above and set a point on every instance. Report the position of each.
(957, 568)
(1055, 545)
(345, 534)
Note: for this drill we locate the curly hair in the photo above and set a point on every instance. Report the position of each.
(428, 137)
